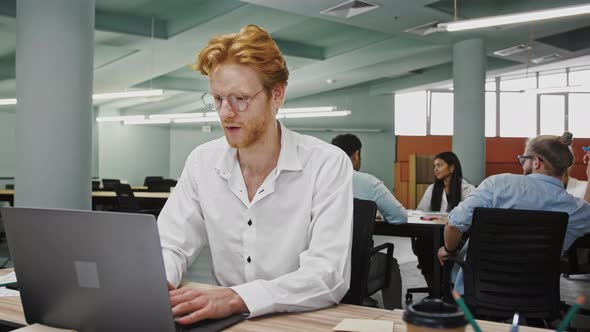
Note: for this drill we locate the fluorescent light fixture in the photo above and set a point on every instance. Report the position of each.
(147, 121)
(512, 50)
(177, 116)
(211, 114)
(339, 130)
(546, 58)
(128, 94)
(120, 118)
(307, 109)
(197, 120)
(315, 114)
(530, 16)
(10, 101)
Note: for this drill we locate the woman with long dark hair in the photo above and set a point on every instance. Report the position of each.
(449, 187)
(448, 190)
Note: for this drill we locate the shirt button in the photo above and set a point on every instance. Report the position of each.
(249, 260)
(249, 222)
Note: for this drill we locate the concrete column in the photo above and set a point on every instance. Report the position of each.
(469, 73)
(54, 70)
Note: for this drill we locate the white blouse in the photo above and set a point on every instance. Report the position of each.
(466, 189)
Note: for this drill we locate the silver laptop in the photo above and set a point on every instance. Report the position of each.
(92, 271)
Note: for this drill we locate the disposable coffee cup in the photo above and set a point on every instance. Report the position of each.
(434, 315)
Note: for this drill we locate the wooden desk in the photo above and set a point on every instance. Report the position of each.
(416, 227)
(11, 314)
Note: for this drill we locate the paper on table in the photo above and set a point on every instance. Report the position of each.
(364, 325)
(4, 292)
(41, 328)
(8, 279)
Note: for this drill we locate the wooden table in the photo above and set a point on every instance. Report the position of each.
(11, 314)
(417, 227)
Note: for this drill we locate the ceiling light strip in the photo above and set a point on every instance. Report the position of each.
(515, 18)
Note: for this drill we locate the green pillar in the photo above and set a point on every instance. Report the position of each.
(54, 70)
(469, 62)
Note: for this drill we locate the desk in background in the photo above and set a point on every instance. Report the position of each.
(105, 197)
(417, 227)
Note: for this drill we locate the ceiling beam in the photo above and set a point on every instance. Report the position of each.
(111, 22)
(301, 50)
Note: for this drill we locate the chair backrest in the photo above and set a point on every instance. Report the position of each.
(110, 184)
(513, 262)
(95, 185)
(150, 179)
(162, 185)
(126, 201)
(362, 242)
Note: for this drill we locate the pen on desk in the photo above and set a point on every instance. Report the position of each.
(466, 311)
(515, 319)
(570, 314)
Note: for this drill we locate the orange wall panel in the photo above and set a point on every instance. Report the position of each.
(504, 149)
(407, 145)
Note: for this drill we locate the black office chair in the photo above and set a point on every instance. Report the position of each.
(362, 284)
(110, 184)
(126, 201)
(9, 187)
(512, 263)
(150, 179)
(571, 264)
(163, 185)
(95, 185)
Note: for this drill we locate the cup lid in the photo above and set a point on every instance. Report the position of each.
(434, 313)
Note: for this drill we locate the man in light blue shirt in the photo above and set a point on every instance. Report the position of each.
(368, 187)
(544, 161)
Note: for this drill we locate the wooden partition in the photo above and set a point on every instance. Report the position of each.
(416, 145)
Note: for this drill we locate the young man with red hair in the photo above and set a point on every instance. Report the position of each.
(274, 205)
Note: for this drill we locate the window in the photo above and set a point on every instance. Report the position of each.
(579, 116)
(441, 113)
(518, 114)
(552, 116)
(581, 77)
(410, 113)
(553, 80)
(518, 84)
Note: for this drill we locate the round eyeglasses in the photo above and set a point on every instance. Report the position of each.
(238, 102)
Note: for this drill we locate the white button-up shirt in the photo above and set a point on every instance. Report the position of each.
(286, 250)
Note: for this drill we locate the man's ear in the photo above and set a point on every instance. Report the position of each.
(278, 95)
(536, 163)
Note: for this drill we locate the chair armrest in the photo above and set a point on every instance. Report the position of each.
(388, 246)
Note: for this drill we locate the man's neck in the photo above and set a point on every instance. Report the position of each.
(542, 171)
(262, 156)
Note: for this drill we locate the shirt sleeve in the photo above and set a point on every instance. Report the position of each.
(323, 276)
(181, 226)
(425, 201)
(393, 212)
(482, 196)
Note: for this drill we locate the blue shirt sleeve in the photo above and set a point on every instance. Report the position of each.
(391, 209)
(483, 196)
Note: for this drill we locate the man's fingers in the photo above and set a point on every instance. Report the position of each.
(183, 297)
(170, 286)
(189, 306)
(195, 316)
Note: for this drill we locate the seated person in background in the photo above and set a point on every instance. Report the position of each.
(575, 187)
(544, 162)
(368, 187)
(274, 205)
(447, 191)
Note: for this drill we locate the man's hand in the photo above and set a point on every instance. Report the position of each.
(443, 255)
(192, 305)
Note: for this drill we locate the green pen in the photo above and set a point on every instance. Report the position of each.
(570, 314)
(466, 311)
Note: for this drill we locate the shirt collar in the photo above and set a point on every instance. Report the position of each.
(547, 178)
(288, 156)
